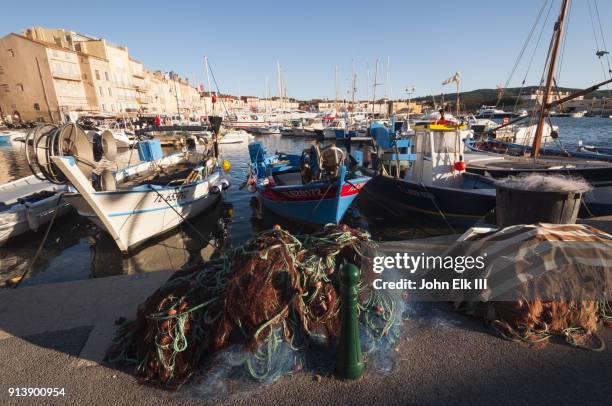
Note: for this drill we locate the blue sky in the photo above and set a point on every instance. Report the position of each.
(425, 41)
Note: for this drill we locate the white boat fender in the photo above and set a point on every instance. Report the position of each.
(220, 185)
(225, 183)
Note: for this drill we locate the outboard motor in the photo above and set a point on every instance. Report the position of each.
(311, 164)
(333, 157)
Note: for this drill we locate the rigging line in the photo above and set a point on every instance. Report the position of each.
(204, 239)
(217, 86)
(597, 47)
(536, 47)
(603, 39)
(593, 25)
(60, 199)
(564, 42)
(520, 55)
(534, 114)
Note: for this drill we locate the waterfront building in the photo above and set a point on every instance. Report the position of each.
(48, 73)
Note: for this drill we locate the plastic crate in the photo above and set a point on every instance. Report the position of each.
(149, 150)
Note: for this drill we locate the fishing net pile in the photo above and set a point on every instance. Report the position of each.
(278, 293)
(544, 280)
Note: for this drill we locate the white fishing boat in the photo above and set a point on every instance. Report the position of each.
(28, 203)
(492, 112)
(139, 202)
(577, 114)
(136, 212)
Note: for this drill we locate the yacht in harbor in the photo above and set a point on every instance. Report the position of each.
(493, 112)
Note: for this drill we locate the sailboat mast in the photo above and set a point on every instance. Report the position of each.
(457, 83)
(558, 31)
(374, 87)
(354, 89)
(336, 86)
(280, 84)
(209, 86)
(204, 92)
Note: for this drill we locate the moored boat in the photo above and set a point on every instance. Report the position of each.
(431, 179)
(315, 187)
(139, 202)
(27, 204)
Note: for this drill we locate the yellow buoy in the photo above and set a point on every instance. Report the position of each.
(226, 165)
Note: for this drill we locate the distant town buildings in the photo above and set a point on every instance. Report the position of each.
(537, 96)
(380, 107)
(47, 73)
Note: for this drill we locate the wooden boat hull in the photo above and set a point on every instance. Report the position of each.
(459, 207)
(134, 215)
(318, 203)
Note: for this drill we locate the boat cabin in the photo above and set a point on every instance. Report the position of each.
(432, 156)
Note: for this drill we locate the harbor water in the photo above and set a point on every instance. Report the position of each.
(76, 249)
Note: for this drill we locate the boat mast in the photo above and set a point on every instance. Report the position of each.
(280, 85)
(374, 88)
(336, 86)
(457, 81)
(558, 31)
(354, 89)
(204, 91)
(209, 85)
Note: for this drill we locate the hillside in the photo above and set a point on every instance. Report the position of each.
(473, 99)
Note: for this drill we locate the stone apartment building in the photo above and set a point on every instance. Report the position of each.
(47, 73)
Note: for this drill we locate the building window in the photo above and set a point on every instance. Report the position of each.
(109, 92)
(106, 76)
(20, 86)
(11, 52)
(84, 76)
(97, 74)
(100, 90)
(103, 109)
(36, 106)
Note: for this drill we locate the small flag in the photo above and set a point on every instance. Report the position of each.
(456, 78)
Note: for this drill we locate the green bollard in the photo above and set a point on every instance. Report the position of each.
(350, 360)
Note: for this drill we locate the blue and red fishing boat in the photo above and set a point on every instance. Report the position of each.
(316, 187)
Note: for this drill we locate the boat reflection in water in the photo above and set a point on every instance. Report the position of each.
(185, 246)
(65, 255)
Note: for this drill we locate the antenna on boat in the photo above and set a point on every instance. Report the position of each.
(546, 106)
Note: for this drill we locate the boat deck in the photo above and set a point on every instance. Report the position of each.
(10, 195)
(288, 179)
